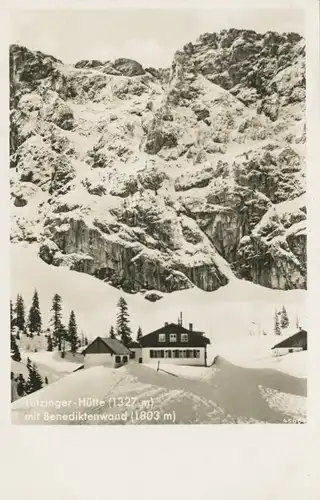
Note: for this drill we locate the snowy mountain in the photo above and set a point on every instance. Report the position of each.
(165, 179)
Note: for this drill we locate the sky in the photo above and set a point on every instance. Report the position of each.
(151, 36)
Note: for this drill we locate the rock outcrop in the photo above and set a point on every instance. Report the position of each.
(157, 180)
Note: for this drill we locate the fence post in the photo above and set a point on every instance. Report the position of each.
(158, 366)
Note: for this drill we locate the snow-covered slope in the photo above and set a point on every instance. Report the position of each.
(233, 317)
(165, 180)
(49, 364)
(137, 394)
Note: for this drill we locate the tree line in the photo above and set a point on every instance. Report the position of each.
(59, 335)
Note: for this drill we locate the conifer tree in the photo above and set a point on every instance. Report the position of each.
(18, 335)
(11, 317)
(122, 328)
(46, 381)
(49, 343)
(29, 364)
(284, 322)
(277, 329)
(21, 385)
(34, 319)
(20, 313)
(82, 341)
(73, 333)
(111, 333)
(56, 321)
(15, 353)
(139, 333)
(35, 381)
(63, 338)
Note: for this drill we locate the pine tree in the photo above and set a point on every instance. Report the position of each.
(123, 328)
(82, 340)
(18, 335)
(111, 333)
(56, 320)
(15, 353)
(49, 343)
(284, 322)
(46, 381)
(139, 333)
(29, 364)
(11, 317)
(21, 385)
(277, 329)
(34, 319)
(73, 332)
(35, 381)
(20, 313)
(63, 338)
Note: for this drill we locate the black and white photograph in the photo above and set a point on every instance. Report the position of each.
(158, 217)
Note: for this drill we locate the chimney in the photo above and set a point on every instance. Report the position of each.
(190, 327)
(166, 323)
(181, 318)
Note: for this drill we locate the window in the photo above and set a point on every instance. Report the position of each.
(162, 337)
(125, 359)
(175, 353)
(173, 337)
(151, 353)
(191, 354)
(197, 354)
(118, 359)
(290, 350)
(184, 337)
(169, 354)
(161, 354)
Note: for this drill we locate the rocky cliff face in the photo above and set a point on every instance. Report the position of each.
(165, 179)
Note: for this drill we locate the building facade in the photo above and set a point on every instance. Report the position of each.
(175, 344)
(136, 351)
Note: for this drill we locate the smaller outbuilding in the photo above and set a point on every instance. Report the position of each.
(106, 351)
(294, 343)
